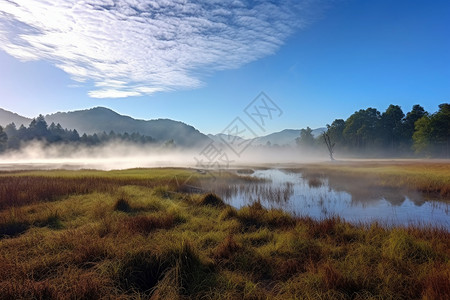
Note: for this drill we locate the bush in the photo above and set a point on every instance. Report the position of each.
(256, 215)
(212, 199)
(122, 205)
(146, 224)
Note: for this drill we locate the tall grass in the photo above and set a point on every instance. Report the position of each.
(136, 238)
(424, 176)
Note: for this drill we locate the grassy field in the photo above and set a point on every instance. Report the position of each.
(136, 234)
(428, 177)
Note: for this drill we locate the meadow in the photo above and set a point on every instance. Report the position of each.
(141, 233)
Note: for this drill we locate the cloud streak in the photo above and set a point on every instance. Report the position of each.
(136, 47)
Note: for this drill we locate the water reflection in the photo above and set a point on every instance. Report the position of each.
(319, 196)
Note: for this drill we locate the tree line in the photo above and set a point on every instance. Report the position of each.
(12, 137)
(391, 133)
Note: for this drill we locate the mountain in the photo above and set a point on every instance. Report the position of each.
(101, 119)
(284, 137)
(7, 117)
(221, 137)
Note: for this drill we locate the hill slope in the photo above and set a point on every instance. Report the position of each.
(7, 117)
(101, 119)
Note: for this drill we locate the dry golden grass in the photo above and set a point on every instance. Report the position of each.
(133, 236)
(429, 177)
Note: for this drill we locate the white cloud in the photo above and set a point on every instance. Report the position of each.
(137, 47)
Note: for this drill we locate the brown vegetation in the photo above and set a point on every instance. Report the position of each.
(136, 241)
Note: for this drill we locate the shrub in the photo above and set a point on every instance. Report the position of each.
(122, 205)
(12, 228)
(256, 215)
(146, 224)
(212, 199)
(226, 249)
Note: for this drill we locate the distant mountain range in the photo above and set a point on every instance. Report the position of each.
(281, 138)
(101, 119)
(7, 117)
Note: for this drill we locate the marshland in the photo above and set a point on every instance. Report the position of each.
(244, 149)
(179, 233)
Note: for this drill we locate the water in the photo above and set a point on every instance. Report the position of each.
(320, 197)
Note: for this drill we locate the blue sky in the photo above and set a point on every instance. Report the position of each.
(203, 63)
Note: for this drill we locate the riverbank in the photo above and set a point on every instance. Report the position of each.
(430, 177)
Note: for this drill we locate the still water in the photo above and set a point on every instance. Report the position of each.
(321, 196)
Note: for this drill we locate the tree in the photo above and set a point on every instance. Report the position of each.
(336, 131)
(440, 129)
(330, 145)
(3, 139)
(11, 132)
(391, 125)
(411, 118)
(422, 135)
(360, 128)
(22, 133)
(38, 128)
(73, 136)
(306, 138)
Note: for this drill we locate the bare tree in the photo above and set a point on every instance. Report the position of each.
(330, 145)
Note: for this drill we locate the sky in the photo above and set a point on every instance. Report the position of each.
(206, 62)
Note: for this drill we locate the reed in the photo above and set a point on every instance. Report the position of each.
(134, 236)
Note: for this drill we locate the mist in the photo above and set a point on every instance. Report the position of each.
(122, 155)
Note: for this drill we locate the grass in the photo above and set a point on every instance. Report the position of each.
(134, 235)
(428, 177)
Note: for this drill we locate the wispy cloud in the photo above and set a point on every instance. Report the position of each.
(137, 47)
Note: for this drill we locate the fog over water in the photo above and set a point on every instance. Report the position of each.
(297, 191)
(36, 155)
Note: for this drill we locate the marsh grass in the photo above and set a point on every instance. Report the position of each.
(135, 241)
(212, 200)
(122, 205)
(428, 177)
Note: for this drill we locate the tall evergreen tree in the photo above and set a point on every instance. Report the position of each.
(336, 132)
(409, 121)
(38, 128)
(391, 126)
(3, 139)
(361, 128)
(440, 130)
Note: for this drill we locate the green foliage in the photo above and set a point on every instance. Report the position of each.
(411, 118)
(3, 140)
(360, 128)
(391, 123)
(306, 138)
(336, 131)
(369, 132)
(55, 134)
(432, 133)
(422, 135)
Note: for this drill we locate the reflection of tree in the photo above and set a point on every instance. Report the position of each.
(365, 191)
